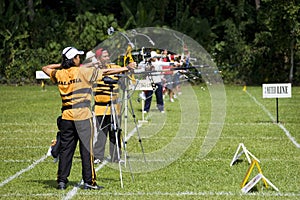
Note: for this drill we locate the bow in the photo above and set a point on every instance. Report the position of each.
(128, 57)
(150, 75)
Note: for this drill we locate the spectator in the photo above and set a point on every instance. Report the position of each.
(168, 75)
(154, 64)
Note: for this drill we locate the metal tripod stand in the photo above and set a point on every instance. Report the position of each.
(127, 98)
(114, 127)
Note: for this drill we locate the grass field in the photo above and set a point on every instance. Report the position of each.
(172, 143)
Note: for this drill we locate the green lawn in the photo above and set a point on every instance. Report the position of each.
(172, 142)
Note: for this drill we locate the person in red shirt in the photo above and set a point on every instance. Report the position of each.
(168, 74)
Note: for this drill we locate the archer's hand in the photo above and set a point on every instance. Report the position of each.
(131, 66)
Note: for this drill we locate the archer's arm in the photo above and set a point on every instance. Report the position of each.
(114, 70)
(49, 68)
(119, 70)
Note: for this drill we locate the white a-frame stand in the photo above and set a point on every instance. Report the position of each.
(238, 154)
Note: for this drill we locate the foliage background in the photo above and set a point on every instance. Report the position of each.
(252, 41)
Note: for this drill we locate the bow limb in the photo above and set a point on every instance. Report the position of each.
(128, 56)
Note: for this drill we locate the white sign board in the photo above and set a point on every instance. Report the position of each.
(41, 75)
(255, 180)
(144, 84)
(278, 90)
(251, 183)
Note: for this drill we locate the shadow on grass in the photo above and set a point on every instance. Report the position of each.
(238, 161)
(253, 190)
(106, 180)
(265, 122)
(52, 184)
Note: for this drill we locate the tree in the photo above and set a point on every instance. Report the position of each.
(252, 41)
(144, 16)
(13, 34)
(275, 41)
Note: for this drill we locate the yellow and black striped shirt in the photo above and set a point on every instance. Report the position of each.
(102, 95)
(75, 87)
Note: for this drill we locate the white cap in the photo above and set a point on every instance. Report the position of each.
(71, 52)
(94, 60)
(89, 54)
(153, 54)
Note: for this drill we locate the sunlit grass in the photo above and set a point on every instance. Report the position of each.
(28, 124)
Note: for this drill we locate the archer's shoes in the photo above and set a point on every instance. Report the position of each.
(55, 160)
(97, 161)
(145, 111)
(61, 186)
(87, 186)
(172, 100)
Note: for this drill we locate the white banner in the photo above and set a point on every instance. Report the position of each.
(41, 75)
(144, 84)
(278, 90)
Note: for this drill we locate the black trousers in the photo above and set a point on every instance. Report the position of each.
(159, 98)
(103, 131)
(71, 132)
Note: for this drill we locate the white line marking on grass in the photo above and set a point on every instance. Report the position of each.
(132, 132)
(190, 193)
(164, 160)
(155, 194)
(42, 139)
(26, 124)
(16, 161)
(73, 192)
(23, 131)
(23, 196)
(24, 147)
(23, 170)
(287, 133)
